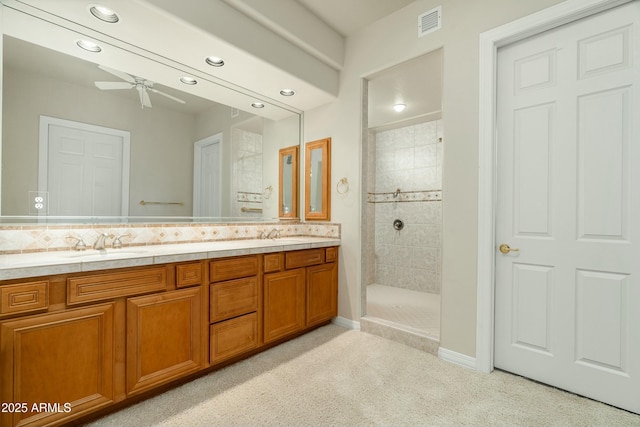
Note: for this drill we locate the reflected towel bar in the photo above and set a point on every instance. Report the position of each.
(251, 210)
(142, 202)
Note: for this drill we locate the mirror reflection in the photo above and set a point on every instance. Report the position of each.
(317, 179)
(288, 201)
(92, 140)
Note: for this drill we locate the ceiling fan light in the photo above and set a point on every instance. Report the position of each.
(104, 14)
(214, 61)
(89, 45)
(188, 80)
(257, 105)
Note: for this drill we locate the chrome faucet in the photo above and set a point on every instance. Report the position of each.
(80, 244)
(100, 242)
(274, 233)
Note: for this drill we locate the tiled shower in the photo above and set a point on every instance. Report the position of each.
(404, 211)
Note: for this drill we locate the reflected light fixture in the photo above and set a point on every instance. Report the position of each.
(214, 61)
(188, 80)
(399, 107)
(89, 45)
(104, 14)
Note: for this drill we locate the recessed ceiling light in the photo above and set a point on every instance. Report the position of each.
(214, 61)
(188, 80)
(104, 14)
(88, 45)
(399, 107)
(287, 92)
(257, 105)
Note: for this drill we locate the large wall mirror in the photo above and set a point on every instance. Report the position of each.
(288, 188)
(317, 179)
(188, 154)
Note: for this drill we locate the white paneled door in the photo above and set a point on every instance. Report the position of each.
(84, 168)
(207, 177)
(567, 301)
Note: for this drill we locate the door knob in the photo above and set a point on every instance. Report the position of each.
(505, 249)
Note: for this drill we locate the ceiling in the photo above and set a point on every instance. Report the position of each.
(417, 83)
(28, 58)
(348, 16)
(249, 63)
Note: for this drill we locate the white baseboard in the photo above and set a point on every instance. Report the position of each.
(457, 358)
(346, 323)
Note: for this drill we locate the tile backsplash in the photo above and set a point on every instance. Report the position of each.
(41, 238)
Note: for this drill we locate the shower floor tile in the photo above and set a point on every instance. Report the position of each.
(415, 310)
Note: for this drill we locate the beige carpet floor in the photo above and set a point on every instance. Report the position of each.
(339, 377)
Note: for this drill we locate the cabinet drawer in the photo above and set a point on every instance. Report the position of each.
(233, 298)
(188, 275)
(233, 337)
(273, 262)
(233, 268)
(114, 285)
(331, 254)
(24, 297)
(295, 259)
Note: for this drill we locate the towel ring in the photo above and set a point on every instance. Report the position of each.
(342, 187)
(268, 191)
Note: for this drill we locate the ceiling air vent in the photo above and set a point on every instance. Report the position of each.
(430, 21)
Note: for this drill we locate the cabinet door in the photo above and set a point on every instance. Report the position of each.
(63, 363)
(284, 304)
(322, 293)
(233, 337)
(163, 338)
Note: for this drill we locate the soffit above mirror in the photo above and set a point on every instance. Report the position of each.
(147, 30)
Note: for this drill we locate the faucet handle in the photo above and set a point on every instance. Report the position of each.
(117, 243)
(80, 244)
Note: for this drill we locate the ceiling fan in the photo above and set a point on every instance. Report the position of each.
(133, 82)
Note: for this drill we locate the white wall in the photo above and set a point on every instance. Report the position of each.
(388, 42)
(161, 141)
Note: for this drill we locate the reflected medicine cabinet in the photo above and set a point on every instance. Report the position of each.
(288, 189)
(317, 178)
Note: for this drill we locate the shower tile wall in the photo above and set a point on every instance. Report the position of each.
(409, 159)
(247, 173)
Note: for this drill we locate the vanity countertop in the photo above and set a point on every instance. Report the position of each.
(15, 266)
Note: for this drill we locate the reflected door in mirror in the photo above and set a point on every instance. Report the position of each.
(317, 179)
(288, 194)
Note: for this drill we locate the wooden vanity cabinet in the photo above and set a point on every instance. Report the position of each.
(104, 336)
(284, 304)
(234, 307)
(300, 291)
(78, 343)
(163, 338)
(63, 363)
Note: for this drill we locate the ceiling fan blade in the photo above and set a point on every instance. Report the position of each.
(166, 95)
(120, 74)
(113, 85)
(144, 97)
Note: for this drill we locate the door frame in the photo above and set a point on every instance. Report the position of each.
(43, 153)
(528, 26)
(197, 170)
